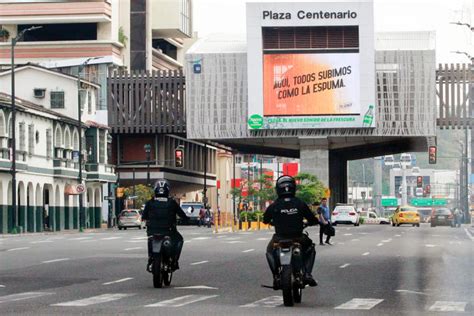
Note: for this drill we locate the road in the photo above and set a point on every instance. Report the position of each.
(370, 270)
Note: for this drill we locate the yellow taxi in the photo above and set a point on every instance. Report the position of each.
(406, 215)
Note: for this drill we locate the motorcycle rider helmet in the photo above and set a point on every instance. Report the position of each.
(162, 188)
(285, 186)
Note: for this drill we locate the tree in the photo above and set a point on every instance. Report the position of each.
(143, 194)
(266, 190)
(309, 188)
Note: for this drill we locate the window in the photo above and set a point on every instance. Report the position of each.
(22, 136)
(31, 139)
(83, 98)
(49, 143)
(57, 99)
(60, 32)
(102, 147)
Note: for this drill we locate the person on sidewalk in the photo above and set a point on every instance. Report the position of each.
(324, 220)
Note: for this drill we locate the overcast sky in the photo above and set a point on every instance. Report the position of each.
(228, 16)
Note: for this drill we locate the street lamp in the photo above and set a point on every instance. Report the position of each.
(82, 214)
(15, 40)
(147, 148)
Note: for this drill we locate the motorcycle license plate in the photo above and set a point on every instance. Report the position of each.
(156, 246)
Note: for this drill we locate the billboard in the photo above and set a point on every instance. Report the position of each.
(311, 65)
(310, 84)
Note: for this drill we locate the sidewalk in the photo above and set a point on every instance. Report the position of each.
(70, 231)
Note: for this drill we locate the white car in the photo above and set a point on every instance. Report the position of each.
(373, 218)
(130, 218)
(345, 214)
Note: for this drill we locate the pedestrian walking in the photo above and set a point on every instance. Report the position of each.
(324, 221)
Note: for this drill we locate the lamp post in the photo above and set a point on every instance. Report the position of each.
(147, 148)
(15, 40)
(82, 214)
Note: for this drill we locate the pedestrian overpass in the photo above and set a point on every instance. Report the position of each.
(407, 106)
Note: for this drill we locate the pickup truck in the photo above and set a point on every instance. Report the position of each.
(372, 218)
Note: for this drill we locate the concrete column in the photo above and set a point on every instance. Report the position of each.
(337, 178)
(315, 161)
(378, 161)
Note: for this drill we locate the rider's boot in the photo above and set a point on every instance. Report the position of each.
(149, 265)
(310, 257)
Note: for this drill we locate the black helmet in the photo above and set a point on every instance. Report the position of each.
(162, 188)
(285, 186)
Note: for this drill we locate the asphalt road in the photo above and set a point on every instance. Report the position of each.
(370, 270)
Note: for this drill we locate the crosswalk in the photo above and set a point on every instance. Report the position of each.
(362, 304)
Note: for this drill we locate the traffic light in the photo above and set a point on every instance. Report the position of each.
(428, 189)
(432, 151)
(419, 181)
(179, 158)
(120, 192)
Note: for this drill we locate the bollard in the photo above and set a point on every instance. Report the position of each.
(258, 221)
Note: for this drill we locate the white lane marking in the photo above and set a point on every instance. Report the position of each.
(366, 253)
(199, 262)
(262, 238)
(182, 301)
(103, 298)
(345, 265)
(80, 238)
(430, 246)
(110, 238)
(234, 242)
(1, 285)
(134, 241)
(272, 301)
(187, 241)
(379, 244)
(133, 248)
(248, 250)
(347, 234)
(140, 238)
(355, 239)
(410, 292)
(363, 233)
(435, 235)
(233, 238)
(22, 296)
(387, 240)
(20, 248)
(56, 260)
(360, 303)
(89, 240)
(469, 234)
(222, 236)
(398, 235)
(448, 306)
(201, 238)
(196, 287)
(40, 241)
(340, 243)
(117, 281)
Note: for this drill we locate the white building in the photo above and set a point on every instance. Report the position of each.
(47, 142)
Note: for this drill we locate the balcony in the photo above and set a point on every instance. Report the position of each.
(46, 51)
(161, 61)
(171, 18)
(55, 12)
(101, 172)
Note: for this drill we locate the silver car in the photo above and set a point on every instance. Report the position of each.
(130, 218)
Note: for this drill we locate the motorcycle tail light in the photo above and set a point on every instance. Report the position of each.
(352, 213)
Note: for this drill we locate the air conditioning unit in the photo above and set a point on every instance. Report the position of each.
(39, 93)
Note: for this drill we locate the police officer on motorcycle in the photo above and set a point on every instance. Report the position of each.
(286, 214)
(160, 214)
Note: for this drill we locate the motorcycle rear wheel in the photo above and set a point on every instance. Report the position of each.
(286, 285)
(297, 293)
(167, 276)
(157, 274)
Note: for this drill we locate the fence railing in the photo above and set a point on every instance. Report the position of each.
(147, 102)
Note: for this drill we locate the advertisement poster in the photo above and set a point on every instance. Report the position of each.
(311, 84)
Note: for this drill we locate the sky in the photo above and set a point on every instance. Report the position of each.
(228, 16)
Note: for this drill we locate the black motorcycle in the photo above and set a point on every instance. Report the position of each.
(162, 262)
(289, 260)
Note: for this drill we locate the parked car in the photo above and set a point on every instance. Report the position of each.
(372, 218)
(130, 218)
(442, 217)
(345, 214)
(406, 215)
(192, 210)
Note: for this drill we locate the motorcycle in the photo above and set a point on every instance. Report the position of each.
(162, 260)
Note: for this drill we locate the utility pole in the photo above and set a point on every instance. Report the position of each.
(13, 123)
(378, 170)
(204, 192)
